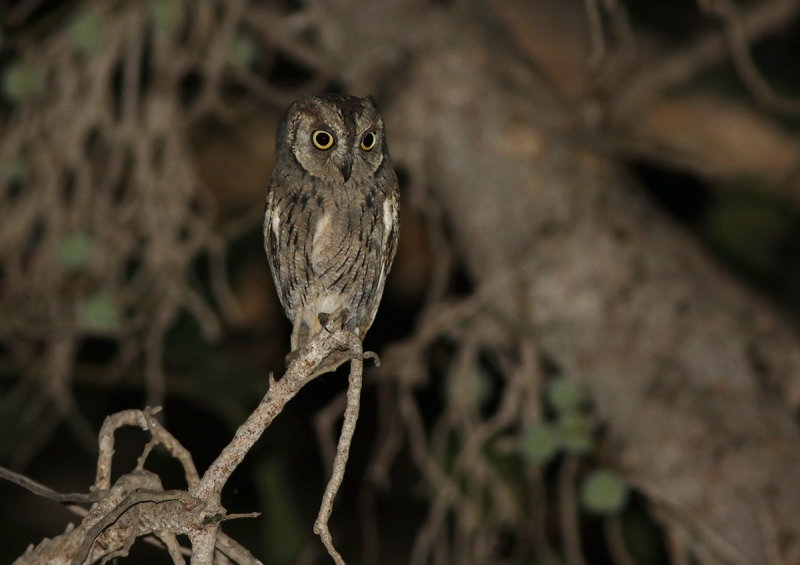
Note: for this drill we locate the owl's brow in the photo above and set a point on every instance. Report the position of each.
(350, 108)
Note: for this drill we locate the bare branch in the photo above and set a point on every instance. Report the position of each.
(343, 447)
(145, 420)
(42, 490)
(738, 45)
(651, 83)
(136, 506)
(299, 373)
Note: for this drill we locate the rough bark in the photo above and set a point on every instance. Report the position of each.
(694, 375)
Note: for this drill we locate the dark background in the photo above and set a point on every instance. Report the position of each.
(704, 153)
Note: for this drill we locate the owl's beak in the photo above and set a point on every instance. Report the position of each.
(346, 167)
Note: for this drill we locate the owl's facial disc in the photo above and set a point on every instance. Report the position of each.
(337, 141)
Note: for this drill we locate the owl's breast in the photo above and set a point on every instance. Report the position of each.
(343, 243)
(323, 240)
(332, 242)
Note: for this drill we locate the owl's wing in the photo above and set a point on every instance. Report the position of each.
(391, 226)
(272, 220)
(390, 219)
(270, 231)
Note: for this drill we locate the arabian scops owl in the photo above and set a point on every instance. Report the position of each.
(331, 221)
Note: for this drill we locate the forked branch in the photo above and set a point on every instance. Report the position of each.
(136, 505)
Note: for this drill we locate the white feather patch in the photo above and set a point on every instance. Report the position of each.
(317, 242)
(275, 222)
(387, 220)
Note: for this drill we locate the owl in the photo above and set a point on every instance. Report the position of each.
(331, 221)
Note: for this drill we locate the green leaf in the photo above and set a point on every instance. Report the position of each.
(164, 13)
(75, 250)
(604, 492)
(98, 313)
(22, 82)
(565, 394)
(86, 32)
(576, 432)
(243, 49)
(540, 443)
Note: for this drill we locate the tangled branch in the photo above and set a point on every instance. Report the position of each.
(136, 504)
(103, 215)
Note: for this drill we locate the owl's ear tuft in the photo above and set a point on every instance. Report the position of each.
(293, 117)
(288, 124)
(372, 101)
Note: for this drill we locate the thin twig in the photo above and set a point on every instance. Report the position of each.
(342, 450)
(301, 371)
(739, 48)
(145, 420)
(677, 68)
(297, 375)
(596, 34)
(42, 490)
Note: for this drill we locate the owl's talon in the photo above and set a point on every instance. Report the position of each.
(324, 318)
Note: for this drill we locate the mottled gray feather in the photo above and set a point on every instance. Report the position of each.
(330, 241)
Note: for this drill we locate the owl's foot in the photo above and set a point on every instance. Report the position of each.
(337, 358)
(339, 319)
(324, 318)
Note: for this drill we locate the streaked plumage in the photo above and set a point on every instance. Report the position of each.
(331, 221)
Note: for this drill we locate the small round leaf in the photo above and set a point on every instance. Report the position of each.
(86, 32)
(565, 394)
(539, 443)
(576, 432)
(22, 82)
(243, 49)
(604, 492)
(164, 13)
(98, 313)
(75, 250)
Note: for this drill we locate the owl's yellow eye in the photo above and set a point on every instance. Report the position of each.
(368, 142)
(322, 139)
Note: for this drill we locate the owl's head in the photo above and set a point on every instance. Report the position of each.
(334, 137)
